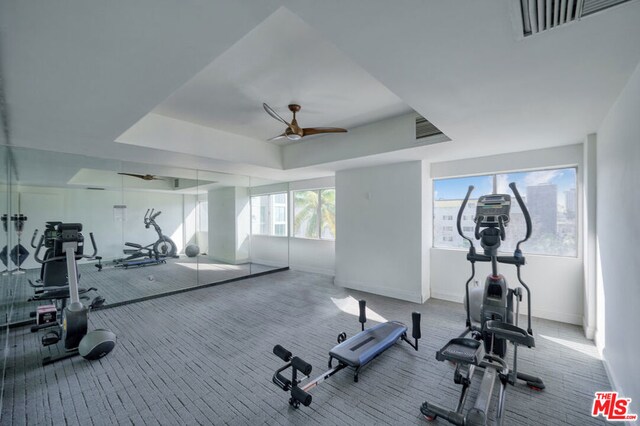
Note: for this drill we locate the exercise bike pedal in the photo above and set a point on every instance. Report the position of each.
(51, 338)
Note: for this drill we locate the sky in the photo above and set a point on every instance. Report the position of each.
(456, 188)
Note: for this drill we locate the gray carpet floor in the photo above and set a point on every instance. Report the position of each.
(204, 357)
(119, 284)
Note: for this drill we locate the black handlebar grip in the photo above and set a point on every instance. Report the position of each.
(282, 353)
(301, 396)
(511, 260)
(523, 207)
(300, 365)
(415, 316)
(33, 239)
(363, 311)
(93, 243)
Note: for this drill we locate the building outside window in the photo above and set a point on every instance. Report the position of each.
(269, 214)
(550, 196)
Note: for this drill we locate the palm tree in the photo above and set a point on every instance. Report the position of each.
(306, 212)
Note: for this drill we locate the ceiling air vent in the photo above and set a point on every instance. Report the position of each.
(542, 15)
(424, 128)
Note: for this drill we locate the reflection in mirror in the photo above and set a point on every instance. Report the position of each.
(223, 224)
(157, 214)
(50, 188)
(157, 229)
(5, 244)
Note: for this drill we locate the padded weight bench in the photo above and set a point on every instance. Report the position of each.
(355, 352)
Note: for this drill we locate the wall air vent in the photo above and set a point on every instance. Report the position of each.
(542, 15)
(424, 128)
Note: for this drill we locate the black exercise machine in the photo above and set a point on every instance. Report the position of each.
(152, 254)
(486, 349)
(355, 352)
(68, 246)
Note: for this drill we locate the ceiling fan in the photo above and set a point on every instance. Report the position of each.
(294, 132)
(143, 177)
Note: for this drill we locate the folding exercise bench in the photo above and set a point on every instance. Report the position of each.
(355, 352)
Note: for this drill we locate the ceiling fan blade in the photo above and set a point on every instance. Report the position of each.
(133, 174)
(319, 130)
(274, 114)
(277, 137)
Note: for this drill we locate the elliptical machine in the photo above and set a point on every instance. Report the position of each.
(486, 349)
(68, 244)
(152, 254)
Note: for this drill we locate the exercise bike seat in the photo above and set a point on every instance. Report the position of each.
(462, 350)
(366, 345)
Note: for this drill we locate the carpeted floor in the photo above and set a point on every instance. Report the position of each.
(204, 357)
(119, 284)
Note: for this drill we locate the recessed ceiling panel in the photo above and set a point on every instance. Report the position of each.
(281, 61)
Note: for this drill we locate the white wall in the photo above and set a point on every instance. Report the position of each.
(618, 227)
(557, 283)
(270, 251)
(379, 230)
(94, 209)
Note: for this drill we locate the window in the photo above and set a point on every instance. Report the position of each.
(550, 197)
(269, 214)
(314, 214)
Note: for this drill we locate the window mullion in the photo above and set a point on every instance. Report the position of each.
(319, 214)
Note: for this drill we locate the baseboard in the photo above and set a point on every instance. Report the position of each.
(449, 297)
(615, 386)
(313, 269)
(589, 332)
(382, 291)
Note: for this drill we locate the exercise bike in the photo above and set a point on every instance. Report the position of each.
(68, 246)
(151, 254)
(486, 349)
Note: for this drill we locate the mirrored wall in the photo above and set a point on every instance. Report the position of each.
(157, 229)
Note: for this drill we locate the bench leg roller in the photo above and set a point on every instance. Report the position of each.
(301, 396)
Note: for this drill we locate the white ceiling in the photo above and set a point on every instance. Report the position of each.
(81, 73)
(281, 61)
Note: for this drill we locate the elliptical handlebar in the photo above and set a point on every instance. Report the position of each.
(525, 211)
(33, 238)
(36, 255)
(459, 219)
(38, 247)
(95, 248)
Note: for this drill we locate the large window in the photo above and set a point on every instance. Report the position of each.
(269, 214)
(550, 196)
(314, 214)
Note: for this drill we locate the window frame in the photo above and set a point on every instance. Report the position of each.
(494, 175)
(318, 212)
